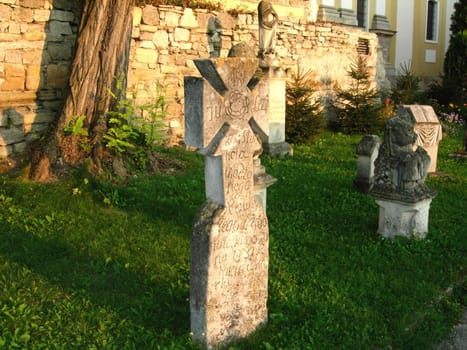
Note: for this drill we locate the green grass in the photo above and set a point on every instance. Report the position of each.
(76, 273)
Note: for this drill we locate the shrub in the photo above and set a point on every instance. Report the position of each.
(455, 62)
(304, 117)
(358, 108)
(406, 89)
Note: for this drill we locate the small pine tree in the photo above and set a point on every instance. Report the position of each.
(358, 108)
(303, 116)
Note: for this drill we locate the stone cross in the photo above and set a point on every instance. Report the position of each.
(230, 238)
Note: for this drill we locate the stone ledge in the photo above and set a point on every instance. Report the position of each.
(8, 99)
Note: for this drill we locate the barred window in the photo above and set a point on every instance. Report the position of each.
(363, 47)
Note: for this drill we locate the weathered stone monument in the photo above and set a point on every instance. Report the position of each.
(230, 238)
(272, 88)
(214, 31)
(367, 151)
(428, 130)
(399, 183)
(267, 19)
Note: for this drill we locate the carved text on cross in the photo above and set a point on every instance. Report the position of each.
(229, 103)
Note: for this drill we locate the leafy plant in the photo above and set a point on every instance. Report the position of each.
(151, 119)
(120, 135)
(76, 126)
(304, 117)
(358, 108)
(77, 129)
(406, 89)
(135, 130)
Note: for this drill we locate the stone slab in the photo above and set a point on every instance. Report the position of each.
(429, 131)
(367, 152)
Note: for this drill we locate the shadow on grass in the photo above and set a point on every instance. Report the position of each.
(155, 304)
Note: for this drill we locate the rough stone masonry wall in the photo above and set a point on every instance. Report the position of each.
(37, 39)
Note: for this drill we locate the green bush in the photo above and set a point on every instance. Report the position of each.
(304, 117)
(455, 62)
(406, 89)
(358, 108)
(134, 130)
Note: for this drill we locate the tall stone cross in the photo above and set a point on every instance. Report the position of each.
(230, 238)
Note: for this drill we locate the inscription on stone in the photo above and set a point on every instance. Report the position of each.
(229, 245)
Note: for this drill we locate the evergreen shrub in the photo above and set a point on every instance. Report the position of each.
(358, 108)
(304, 117)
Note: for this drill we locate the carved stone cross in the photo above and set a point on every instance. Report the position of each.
(229, 244)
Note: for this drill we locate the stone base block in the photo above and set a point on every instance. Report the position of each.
(328, 14)
(348, 17)
(403, 219)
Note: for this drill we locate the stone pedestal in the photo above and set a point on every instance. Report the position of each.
(328, 14)
(403, 218)
(348, 17)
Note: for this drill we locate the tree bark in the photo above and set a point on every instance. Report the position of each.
(101, 59)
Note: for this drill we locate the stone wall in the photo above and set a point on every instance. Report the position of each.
(36, 43)
(36, 47)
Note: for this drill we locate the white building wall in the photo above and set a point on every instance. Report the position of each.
(346, 4)
(327, 2)
(380, 8)
(313, 10)
(404, 42)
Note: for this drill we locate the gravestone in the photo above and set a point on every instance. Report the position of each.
(230, 237)
(428, 130)
(272, 89)
(399, 182)
(271, 104)
(367, 151)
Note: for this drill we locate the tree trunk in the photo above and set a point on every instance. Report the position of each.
(101, 59)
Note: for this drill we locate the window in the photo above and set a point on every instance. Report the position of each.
(432, 20)
(363, 47)
(362, 13)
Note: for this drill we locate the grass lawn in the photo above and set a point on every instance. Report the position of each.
(84, 265)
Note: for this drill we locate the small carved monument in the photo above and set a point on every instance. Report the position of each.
(267, 19)
(230, 238)
(273, 87)
(367, 151)
(399, 184)
(428, 130)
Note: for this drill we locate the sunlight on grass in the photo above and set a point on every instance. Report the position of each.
(77, 271)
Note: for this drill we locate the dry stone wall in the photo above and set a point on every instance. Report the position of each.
(36, 48)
